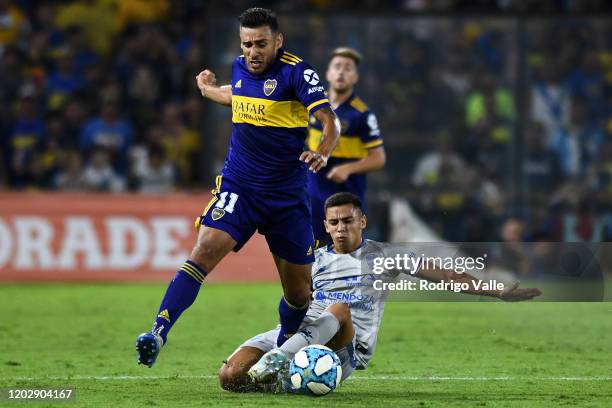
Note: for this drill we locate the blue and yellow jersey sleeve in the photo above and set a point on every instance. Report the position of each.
(306, 84)
(359, 133)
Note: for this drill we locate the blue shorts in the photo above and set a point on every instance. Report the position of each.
(283, 217)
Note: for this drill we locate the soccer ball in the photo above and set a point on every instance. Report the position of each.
(315, 370)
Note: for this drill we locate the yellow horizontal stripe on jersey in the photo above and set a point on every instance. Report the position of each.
(265, 112)
(287, 61)
(317, 103)
(374, 143)
(347, 147)
(288, 54)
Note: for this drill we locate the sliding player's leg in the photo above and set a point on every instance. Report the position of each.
(233, 373)
(333, 328)
(211, 246)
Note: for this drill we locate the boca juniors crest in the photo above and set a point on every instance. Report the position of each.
(269, 86)
(217, 213)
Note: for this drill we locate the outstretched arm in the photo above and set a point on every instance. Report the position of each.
(329, 139)
(512, 293)
(207, 82)
(373, 161)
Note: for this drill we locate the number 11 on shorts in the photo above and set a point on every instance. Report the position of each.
(233, 197)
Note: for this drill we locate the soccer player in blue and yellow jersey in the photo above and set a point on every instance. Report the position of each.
(263, 185)
(360, 149)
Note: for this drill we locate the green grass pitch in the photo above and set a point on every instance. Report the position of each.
(473, 354)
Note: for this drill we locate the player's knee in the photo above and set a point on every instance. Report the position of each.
(341, 311)
(205, 256)
(298, 297)
(297, 294)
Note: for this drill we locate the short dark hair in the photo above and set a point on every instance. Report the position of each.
(259, 17)
(342, 198)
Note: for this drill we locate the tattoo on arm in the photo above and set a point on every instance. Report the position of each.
(325, 111)
(331, 128)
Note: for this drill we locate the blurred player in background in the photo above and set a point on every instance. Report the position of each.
(341, 271)
(263, 185)
(360, 149)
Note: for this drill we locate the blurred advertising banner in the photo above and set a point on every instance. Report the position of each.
(104, 237)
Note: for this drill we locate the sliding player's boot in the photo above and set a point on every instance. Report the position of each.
(269, 365)
(283, 385)
(148, 346)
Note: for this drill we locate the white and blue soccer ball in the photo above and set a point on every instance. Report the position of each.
(315, 370)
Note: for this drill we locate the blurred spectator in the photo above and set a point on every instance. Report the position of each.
(13, 24)
(99, 174)
(65, 80)
(193, 153)
(43, 24)
(513, 253)
(488, 100)
(491, 137)
(155, 173)
(454, 71)
(97, 18)
(181, 143)
(193, 63)
(586, 83)
(83, 56)
(11, 76)
(443, 197)
(143, 94)
(72, 119)
(577, 144)
(429, 167)
(25, 139)
(582, 224)
(141, 11)
(111, 132)
(541, 169)
(485, 193)
(70, 177)
(441, 100)
(600, 176)
(551, 97)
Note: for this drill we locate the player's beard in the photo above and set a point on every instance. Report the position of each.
(263, 66)
(342, 89)
(256, 66)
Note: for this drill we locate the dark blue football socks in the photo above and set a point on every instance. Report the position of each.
(181, 294)
(290, 319)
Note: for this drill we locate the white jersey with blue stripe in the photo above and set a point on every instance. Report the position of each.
(349, 278)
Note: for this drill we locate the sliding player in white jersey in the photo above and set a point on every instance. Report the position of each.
(347, 306)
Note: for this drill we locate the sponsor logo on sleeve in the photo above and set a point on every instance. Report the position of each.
(311, 77)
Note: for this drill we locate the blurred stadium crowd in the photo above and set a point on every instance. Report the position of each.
(495, 128)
